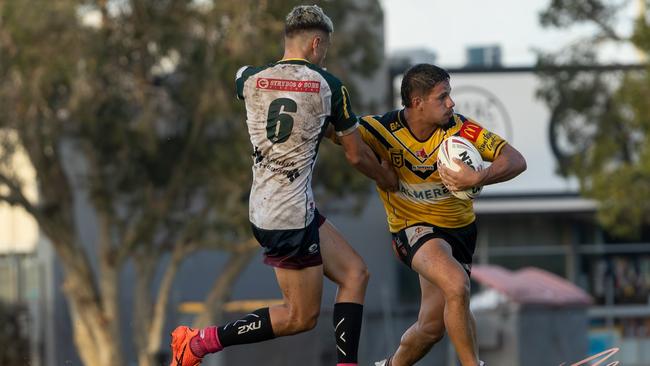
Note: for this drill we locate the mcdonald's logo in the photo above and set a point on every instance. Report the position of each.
(470, 131)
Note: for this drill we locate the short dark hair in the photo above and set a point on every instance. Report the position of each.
(307, 17)
(420, 79)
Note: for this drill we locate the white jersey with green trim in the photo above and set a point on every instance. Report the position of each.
(288, 106)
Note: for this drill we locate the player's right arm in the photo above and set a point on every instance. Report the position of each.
(240, 78)
(364, 160)
(357, 152)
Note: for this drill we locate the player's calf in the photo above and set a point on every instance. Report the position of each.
(252, 328)
(430, 333)
(347, 330)
(289, 320)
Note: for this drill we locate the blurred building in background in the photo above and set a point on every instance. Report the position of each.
(484, 56)
(402, 58)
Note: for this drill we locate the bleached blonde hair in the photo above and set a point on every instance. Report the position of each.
(307, 17)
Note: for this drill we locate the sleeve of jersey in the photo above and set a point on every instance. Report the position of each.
(240, 78)
(343, 119)
(487, 143)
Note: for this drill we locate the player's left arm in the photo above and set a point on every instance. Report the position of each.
(507, 165)
(507, 162)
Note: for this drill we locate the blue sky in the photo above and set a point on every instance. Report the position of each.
(448, 27)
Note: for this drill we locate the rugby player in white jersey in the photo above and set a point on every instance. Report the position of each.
(289, 105)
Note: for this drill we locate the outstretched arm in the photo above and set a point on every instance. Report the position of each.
(509, 164)
(330, 133)
(363, 159)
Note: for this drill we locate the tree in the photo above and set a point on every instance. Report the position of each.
(600, 124)
(129, 105)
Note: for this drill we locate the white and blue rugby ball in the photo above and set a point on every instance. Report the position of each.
(461, 148)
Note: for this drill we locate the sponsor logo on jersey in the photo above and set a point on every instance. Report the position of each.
(423, 168)
(313, 248)
(397, 157)
(422, 154)
(470, 131)
(300, 86)
(426, 192)
(263, 83)
(488, 143)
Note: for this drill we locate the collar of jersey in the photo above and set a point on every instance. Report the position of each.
(294, 61)
(401, 118)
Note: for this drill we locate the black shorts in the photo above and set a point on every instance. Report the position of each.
(462, 240)
(292, 249)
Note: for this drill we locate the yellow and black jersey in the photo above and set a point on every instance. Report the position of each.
(422, 197)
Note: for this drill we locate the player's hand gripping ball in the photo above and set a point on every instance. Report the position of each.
(459, 147)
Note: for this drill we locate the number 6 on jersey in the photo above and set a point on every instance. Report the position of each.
(279, 123)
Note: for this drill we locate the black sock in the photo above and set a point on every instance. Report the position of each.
(254, 327)
(347, 329)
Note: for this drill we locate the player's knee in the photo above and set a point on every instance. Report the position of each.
(458, 292)
(308, 321)
(303, 321)
(360, 275)
(356, 276)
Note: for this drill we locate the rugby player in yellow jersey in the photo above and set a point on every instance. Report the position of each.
(433, 231)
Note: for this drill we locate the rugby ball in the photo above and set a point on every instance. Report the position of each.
(461, 148)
